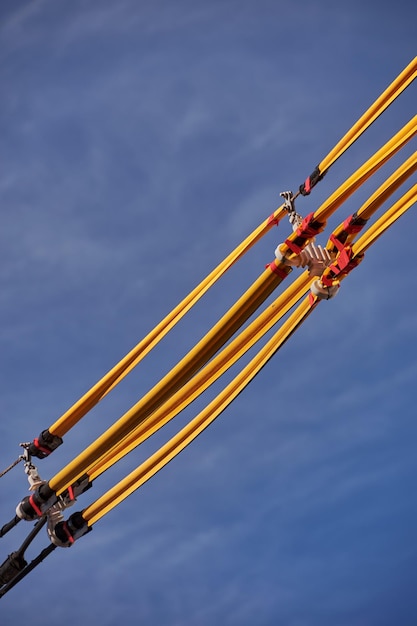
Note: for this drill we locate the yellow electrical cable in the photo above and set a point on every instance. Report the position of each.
(245, 340)
(124, 488)
(183, 371)
(209, 345)
(390, 185)
(231, 322)
(380, 196)
(95, 511)
(207, 376)
(354, 181)
(125, 365)
(390, 216)
(380, 105)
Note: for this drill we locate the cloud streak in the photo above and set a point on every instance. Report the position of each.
(141, 144)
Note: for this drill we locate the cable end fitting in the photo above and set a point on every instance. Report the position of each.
(65, 533)
(11, 567)
(43, 445)
(36, 505)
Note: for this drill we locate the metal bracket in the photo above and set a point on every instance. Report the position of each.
(289, 206)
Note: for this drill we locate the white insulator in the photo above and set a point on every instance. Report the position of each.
(295, 220)
(279, 255)
(322, 292)
(33, 477)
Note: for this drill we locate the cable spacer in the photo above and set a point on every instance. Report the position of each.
(304, 234)
(345, 262)
(343, 235)
(342, 261)
(315, 258)
(292, 247)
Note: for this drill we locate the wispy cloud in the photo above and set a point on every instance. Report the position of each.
(140, 144)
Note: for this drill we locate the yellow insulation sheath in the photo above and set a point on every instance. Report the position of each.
(392, 183)
(175, 445)
(356, 180)
(380, 105)
(245, 340)
(362, 174)
(386, 220)
(207, 376)
(121, 369)
(178, 376)
(152, 465)
(383, 192)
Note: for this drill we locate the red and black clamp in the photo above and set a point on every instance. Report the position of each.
(67, 532)
(311, 181)
(43, 445)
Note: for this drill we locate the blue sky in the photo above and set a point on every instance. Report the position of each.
(141, 142)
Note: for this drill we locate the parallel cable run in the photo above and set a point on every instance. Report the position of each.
(220, 348)
(76, 412)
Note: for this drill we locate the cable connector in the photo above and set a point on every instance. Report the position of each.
(65, 533)
(36, 505)
(11, 567)
(80, 486)
(43, 445)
